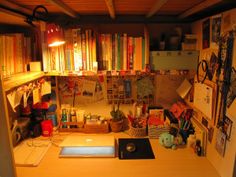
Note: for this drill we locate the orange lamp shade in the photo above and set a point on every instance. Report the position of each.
(54, 35)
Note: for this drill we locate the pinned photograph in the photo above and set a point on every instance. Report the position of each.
(220, 142)
(228, 127)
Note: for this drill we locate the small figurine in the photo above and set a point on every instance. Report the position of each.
(167, 140)
(198, 148)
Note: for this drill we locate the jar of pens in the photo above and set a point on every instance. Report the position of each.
(138, 120)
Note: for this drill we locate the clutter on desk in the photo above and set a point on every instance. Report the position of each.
(138, 120)
(117, 118)
(169, 141)
(76, 120)
(156, 122)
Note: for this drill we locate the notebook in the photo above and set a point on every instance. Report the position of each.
(30, 152)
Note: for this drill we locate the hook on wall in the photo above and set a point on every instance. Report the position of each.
(34, 17)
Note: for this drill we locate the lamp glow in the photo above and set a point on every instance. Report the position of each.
(54, 35)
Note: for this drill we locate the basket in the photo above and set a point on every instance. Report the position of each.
(137, 132)
(155, 131)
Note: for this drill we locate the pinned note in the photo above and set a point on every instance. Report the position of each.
(15, 97)
(203, 98)
(36, 97)
(46, 88)
(184, 88)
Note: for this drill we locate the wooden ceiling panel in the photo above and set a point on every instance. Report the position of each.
(79, 6)
(176, 7)
(140, 7)
(173, 8)
(122, 7)
(11, 19)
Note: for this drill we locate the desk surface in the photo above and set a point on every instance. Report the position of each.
(168, 163)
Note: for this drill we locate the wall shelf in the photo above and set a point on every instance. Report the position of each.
(21, 78)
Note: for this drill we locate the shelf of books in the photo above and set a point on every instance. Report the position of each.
(16, 51)
(86, 50)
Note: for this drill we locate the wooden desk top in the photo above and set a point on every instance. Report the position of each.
(168, 163)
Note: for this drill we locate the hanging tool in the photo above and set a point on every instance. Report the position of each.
(203, 65)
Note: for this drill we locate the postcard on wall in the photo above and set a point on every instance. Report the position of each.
(88, 88)
(184, 88)
(203, 98)
(206, 34)
(215, 28)
(46, 88)
(36, 97)
(227, 127)
(220, 142)
(66, 89)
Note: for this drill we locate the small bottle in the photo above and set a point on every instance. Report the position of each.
(73, 118)
(198, 148)
(64, 118)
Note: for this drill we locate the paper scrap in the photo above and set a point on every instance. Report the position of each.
(88, 88)
(184, 88)
(14, 98)
(36, 97)
(46, 88)
(203, 98)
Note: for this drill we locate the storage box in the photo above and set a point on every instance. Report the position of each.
(35, 66)
(96, 128)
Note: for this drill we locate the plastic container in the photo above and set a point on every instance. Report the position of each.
(47, 127)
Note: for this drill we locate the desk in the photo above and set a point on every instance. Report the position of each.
(168, 163)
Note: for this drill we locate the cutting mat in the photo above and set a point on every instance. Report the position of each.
(30, 152)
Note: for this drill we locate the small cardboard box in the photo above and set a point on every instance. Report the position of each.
(35, 66)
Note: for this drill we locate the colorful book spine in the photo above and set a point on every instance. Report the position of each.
(84, 56)
(125, 51)
(130, 53)
(118, 52)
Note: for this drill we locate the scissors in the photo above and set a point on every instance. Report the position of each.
(204, 67)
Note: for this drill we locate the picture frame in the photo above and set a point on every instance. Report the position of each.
(206, 34)
(215, 28)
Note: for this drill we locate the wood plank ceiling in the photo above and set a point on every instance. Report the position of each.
(110, 8)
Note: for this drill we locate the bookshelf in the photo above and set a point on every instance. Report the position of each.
(90, 48)
(16, 51)
(20, 79)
